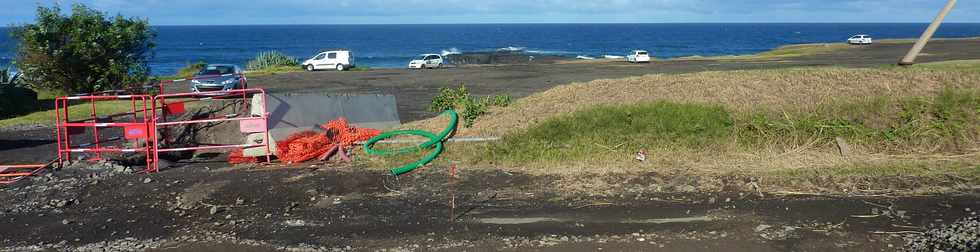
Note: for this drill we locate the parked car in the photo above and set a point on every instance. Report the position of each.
(426, 61)
(638, 56)
(860, 39)
(339, 60)
(218, 77)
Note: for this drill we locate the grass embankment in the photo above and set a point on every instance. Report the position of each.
(901, 129)
(799, 50)
(76, 111)
(946, 123)
(274, 71)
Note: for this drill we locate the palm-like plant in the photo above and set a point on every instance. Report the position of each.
(271, 59)
(8, 76)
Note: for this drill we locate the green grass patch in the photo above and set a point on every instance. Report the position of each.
(803, 50)
(780, 52)
(584, 134)
(946, 122)
(468, 106)
(76, 112)
(274, 70)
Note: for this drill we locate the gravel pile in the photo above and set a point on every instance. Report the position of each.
(964, 235)
(54, 191)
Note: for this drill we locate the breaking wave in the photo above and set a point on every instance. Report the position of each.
(451, 51)
(511, 49)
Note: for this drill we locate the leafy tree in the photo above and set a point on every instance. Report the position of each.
(85, 51)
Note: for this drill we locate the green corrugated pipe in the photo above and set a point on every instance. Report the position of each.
(434, 141)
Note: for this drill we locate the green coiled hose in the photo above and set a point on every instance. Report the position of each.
(435, 143)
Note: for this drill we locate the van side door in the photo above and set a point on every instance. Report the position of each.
(332, 59)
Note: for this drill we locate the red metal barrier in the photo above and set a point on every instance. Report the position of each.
(13, 173)
(140, 127)
(248, 123)
(161, 88)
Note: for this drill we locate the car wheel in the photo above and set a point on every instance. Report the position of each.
(422, 67)
(340, 67)
(310, 68)
(439, 66)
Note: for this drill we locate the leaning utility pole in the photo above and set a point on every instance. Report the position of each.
(909, 58)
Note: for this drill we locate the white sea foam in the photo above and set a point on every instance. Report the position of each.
(547, 52)
(451, 51)
(511, 49)
(613, 56)
(585, 57)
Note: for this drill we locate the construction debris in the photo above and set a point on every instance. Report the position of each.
(337, 137)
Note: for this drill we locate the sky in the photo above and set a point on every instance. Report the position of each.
(242, 12)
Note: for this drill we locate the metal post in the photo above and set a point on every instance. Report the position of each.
(909, 58)
(57, 130)
(95, 130)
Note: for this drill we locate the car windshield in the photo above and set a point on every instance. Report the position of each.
(421, 57)
(641, 53)
(217, 70)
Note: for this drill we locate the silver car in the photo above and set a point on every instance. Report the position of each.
(218, 77)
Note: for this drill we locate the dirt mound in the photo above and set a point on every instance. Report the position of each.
(740, 91)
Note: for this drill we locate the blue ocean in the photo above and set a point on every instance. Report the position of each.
(382, 46)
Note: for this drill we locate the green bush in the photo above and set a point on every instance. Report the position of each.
(15, 101)
(271, 59)
(85, 51)
(470, 108)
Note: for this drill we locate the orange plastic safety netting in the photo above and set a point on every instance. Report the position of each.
(237, 157)
(305, 146)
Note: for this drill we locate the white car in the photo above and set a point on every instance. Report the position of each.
(426, 61)
(638, 56)
(860, 39)
(340, 60)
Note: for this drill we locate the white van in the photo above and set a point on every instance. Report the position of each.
(338, 59)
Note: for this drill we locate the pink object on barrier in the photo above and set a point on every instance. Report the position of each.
(135, 132)
(252, 125)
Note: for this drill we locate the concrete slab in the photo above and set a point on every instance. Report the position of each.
(292, 113)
